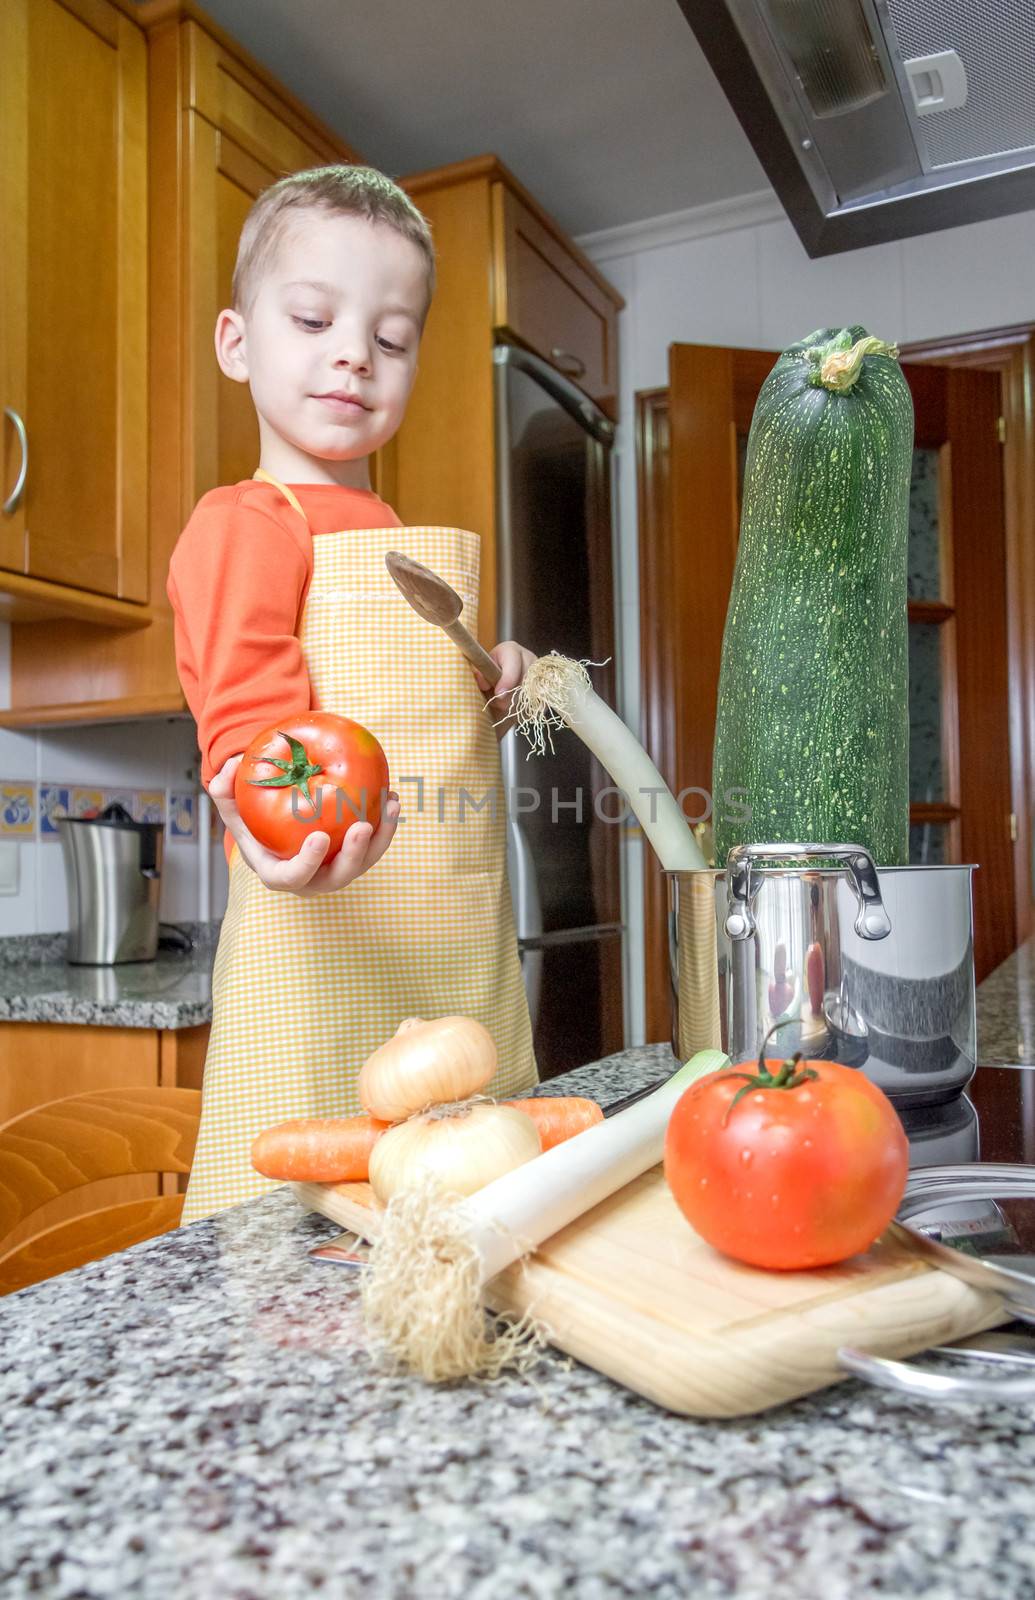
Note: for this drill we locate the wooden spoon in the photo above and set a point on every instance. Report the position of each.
(433, 599)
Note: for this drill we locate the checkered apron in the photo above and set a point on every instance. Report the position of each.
(303, 990)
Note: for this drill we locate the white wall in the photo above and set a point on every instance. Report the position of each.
(152, 761)
(736, 274)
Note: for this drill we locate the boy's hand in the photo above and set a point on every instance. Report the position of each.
(304, 874)
(513, 661)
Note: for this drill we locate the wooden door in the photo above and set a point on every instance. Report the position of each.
(691, 442)
(74, 205)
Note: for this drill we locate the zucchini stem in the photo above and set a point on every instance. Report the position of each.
(838, 369)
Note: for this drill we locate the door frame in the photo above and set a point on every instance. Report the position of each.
(1010, 351)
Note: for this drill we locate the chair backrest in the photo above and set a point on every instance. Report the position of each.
(58, 1147)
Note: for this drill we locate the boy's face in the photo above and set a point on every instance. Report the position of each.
(337, 314)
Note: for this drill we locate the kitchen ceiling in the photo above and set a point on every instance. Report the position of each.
(605, 109)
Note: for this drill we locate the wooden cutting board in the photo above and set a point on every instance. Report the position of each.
(630, 1289)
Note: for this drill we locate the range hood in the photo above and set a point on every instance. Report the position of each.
(878, 119)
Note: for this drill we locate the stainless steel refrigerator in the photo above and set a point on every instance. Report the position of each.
(556, 592)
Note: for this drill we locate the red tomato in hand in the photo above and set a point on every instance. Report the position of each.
(314, 772)
(793, 1175)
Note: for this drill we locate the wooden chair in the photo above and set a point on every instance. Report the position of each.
(58, 1147)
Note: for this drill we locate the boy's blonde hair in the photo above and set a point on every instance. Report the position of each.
(340, 190)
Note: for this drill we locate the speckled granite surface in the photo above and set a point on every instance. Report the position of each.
(174, 991)
(198, 1416)
(1006, 1009)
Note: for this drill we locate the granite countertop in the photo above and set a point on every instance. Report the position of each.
(198, 1415)
(1006, 1009)
(37, 984)
(175, 991)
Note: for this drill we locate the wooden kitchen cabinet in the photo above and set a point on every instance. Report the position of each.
(547, 298)
(220, 130)
(73, 311)
(43, 1061)
(239, 137)
(506, 271)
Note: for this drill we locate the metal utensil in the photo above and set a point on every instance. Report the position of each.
(344, 1250)
(433, 599)
(977, 1222)
(997, 1345)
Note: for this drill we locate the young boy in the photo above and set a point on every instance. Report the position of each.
(282, 602)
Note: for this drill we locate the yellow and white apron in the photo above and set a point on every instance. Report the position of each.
(303, 990)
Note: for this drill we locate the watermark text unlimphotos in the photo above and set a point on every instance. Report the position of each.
(458, 804)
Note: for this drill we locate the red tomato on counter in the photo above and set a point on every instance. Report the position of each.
(786, 1164)
(314, 772)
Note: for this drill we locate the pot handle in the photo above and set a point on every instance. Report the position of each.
(872, 920)
(903, 1377)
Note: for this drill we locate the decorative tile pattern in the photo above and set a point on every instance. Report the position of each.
(149, 805)
(24, 806)
(121, 797)
(55, 801)
(17, 810)
(86, 802)
(183, 816)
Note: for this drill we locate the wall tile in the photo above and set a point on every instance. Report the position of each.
(18, 911)
(183, 816)
(51, 893)
(126, 798)
(85, 802)
(124, 755)
(149, 805)
(80, 769)
(18, 752)
(55, 801)
(18, 810)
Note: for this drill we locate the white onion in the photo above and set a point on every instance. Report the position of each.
(460, 1149)
(426, 1063)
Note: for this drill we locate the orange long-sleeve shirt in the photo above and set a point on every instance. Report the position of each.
(237, 584)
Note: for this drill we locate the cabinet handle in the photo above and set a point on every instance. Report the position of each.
(568, 363)
(11, 503)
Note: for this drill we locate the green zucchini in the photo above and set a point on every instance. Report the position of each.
(812, 731)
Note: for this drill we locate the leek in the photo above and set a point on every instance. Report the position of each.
(556, 692)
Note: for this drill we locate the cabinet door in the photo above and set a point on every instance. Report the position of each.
(551, 301)
(242, 139)
(42, 1061)
(74, 178)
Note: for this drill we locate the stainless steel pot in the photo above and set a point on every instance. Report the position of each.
(871, 968)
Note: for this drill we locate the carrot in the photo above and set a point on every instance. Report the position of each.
(559, 1117)
(318, 1149)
